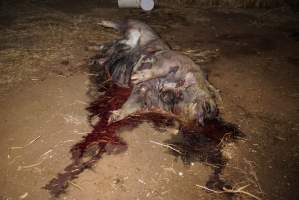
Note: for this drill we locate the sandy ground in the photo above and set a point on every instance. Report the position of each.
(44, 81)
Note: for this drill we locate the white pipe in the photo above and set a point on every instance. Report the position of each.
(146, 5)
(128, 3)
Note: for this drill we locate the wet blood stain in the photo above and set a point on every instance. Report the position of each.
(104, 138)
(101, 139)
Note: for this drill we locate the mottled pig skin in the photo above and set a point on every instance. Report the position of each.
(163, 80)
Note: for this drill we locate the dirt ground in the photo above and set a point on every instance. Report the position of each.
(43, 95)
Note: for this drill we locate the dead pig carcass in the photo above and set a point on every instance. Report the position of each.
(162, 80)
(149, 79)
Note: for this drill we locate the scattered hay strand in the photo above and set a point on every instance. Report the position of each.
(13, 160)
(26, 145)
(23, 196)
(67, 141)
(81, 102)
(240, 190)
(202, 56)
(29, 166)
(170, 169)
(46, 153)
(166, 145)
(141, 181)
(76, 185)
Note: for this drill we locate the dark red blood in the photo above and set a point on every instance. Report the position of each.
(103, 133)
(97, 140)
(104, 138)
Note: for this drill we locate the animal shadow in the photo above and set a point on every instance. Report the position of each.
(205, 146)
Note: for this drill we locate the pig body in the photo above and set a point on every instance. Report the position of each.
(172, 83)
(163, 80)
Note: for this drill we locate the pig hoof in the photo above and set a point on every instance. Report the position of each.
(114, 117)
(136, 78)
(140, 76)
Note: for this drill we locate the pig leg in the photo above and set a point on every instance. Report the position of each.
(154, 72)
(131, 106)
(132, 36)
(110, 24)
(139, 63)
